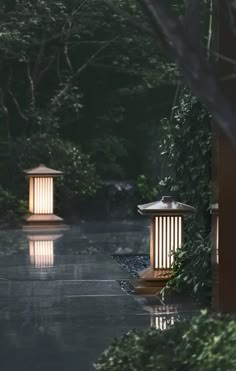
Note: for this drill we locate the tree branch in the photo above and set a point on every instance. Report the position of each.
(195, 68)
(31, 87)
(68, 58)
(6, 114)
(16, 103)
(39, 58)
(80, 7)
(57, 98)
(139, 26)
(45, 70)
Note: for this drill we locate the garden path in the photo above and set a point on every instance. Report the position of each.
(60, 308)
(60, 299)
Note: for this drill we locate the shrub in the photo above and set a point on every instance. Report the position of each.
(205, 343)
(192, 269)
(186, 149)
(109, 152)
(11, 208)
(146, 189)
(185, 146)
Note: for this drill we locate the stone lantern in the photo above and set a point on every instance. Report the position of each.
(41, 197)
(166, 236)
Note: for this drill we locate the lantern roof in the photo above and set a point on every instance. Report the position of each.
(166, 206)
(42, 170)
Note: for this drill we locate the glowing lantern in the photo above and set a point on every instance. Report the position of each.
(41, 195)
(41, 250)
(166, 236)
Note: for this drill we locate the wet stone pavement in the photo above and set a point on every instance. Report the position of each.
(60, 301)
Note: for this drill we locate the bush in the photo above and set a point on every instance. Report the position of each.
(108, 153)
(186, 149)
(205, 343)
(146, 189)
(79, 180)
(192, 270)
(12, 209)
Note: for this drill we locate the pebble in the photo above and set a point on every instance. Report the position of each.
(132, 264)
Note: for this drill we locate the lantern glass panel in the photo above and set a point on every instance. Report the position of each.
(41, 195)
(31, 195)
(168, 238)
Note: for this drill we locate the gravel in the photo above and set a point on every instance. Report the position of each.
(132, 264)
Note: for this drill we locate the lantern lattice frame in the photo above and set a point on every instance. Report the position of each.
(166, 236)
(41, 198)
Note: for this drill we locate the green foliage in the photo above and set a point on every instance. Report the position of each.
(52, 83)
(146, 190)
(186, 148)
(107, 152)
(192, 269)
(206, 343)
(79, 180)
(12, 209)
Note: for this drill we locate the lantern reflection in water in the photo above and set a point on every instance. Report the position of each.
(41, 250)
(162, 317)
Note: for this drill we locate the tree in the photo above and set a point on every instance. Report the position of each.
(181, 38)
(76, 70)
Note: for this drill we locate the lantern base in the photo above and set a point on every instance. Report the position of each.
(42, 221)
(151, 281)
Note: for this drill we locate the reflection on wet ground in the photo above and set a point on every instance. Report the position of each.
(60, 302)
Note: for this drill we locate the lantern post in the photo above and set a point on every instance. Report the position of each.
(41, 198)
(166, 236)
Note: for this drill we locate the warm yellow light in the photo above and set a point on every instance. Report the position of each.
(41, 253)
(41, 195)
(168, 238)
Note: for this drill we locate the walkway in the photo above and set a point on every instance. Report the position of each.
(60, 302)
(60, 311)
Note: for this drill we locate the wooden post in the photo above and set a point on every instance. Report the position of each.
(226, 298)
